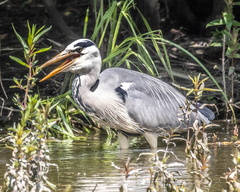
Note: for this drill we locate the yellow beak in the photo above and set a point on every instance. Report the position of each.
(70, 58)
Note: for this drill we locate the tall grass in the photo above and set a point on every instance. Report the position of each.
(131, 49)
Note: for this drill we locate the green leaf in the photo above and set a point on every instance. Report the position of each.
(202, 81)
(30, 35)
(231, 71)
(236, 55)
(39, 30)
(64, 120)
(36, 38)
(16, 81)
(14, 86)
(209, 89)
(236, 23)
(228, 34)
(215, 23)
(190, 91)
(42, 50)
(236, 3)
(216, 44)
(86, 23)
(19, 61)
(24, 44)
(34, 62)
(228, 19)
(33, 32)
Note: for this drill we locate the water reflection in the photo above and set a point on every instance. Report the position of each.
(86, 166)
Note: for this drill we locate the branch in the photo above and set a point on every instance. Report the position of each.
(58, 20)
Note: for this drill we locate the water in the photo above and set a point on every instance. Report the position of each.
(85, 165)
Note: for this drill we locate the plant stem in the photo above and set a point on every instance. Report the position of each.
(223, 65)
(232, 79)
(224, 73)
(28, 83)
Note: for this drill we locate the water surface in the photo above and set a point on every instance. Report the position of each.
(85, 165)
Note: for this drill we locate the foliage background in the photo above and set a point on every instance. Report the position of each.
(182, 22)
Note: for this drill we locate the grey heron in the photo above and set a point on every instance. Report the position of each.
(134, 103)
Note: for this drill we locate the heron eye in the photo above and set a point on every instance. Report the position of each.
(78, 50)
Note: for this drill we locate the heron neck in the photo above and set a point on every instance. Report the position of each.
(83, 83)
(81, 90)
(89, 72)
(87, 81)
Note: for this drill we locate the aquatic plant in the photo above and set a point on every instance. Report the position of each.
(127, 170)
(228, 39)
(30, 52)
(63, 105)
(161, 179)
(29, 165)
(231, 177)
(197, 149)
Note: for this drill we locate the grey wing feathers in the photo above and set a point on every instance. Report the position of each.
(154, 103)
(149, 101)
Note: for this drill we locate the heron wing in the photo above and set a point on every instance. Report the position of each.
(149, 101)
(153, 103)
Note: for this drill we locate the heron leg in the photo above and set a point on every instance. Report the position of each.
(123, 140)
(152, 139)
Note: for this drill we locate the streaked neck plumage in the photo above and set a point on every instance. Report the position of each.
(86, 75)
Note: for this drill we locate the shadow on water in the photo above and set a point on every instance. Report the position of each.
(86, 165)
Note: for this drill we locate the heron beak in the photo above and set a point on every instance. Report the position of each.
(70, 58)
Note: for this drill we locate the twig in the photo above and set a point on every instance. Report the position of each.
(2, 85)
(11, 109)
(223, 68)
(3, 102)
(1, 3)
(95, 188)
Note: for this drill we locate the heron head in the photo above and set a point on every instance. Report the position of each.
(78, 56)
